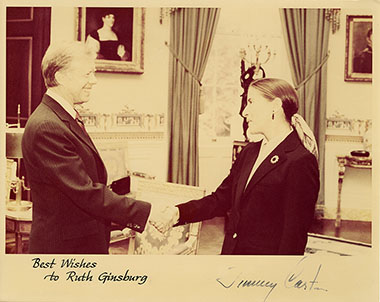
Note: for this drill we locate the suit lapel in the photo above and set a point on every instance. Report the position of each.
(274, 160)
(69, 121)
(245, 172)
(76, 129)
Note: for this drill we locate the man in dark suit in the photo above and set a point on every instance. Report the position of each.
(72, 206)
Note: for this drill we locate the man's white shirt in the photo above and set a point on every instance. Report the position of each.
(61, 101)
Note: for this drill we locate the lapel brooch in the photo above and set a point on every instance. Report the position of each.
(274, 159)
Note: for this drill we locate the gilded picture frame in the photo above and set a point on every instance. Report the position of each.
(358, 56)
(124, 53)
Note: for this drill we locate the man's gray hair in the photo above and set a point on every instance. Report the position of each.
(59, 57)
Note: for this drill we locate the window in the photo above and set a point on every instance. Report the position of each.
(221, 91)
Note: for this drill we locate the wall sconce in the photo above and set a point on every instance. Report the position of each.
(333, 16)
(257, 55)
(166, 12)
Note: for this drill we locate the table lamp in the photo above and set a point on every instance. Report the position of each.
(17, 184)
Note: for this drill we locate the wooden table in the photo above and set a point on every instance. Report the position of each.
(343, 162)
(19, 223)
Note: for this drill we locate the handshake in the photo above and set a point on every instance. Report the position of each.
(163, 217)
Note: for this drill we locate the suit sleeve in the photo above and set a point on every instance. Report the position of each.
(53, 154)
(302, 187)
(213, 205)
(217, 203)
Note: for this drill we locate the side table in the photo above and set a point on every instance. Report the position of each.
(19, 223)
(343, 162)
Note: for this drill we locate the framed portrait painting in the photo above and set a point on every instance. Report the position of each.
(358, 58)
(116, 35)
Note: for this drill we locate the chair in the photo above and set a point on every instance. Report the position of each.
(115, 159)
(323, 244)
(181, 240)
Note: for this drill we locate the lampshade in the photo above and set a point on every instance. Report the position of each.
(13, 142)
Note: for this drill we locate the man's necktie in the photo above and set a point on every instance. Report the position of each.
(78, 119)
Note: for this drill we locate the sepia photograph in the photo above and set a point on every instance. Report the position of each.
(114, 34)
(149, 150)
(358, 48)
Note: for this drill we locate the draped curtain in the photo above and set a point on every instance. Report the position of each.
(306, 33)
(191, 34)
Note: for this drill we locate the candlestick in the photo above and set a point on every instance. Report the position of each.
(13, 172)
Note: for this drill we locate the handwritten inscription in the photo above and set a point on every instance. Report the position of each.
(300, 278)
(230, 280)
(73, 276)
(37, 263)
(69, 263)
(106, 277)
(76, 273)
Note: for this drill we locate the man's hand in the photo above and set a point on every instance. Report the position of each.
(163, 217)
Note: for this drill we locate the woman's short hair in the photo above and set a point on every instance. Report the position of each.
(272, 88)
(59, 57)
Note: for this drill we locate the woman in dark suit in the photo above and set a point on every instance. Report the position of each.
(270, 194)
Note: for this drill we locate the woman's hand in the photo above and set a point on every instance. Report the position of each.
(121, 50)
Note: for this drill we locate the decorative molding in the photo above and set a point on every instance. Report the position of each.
(342, 129)
(127, 120)
(333, 137)
(124, 136)
(352, 126)
(17, 11)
